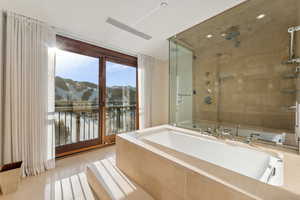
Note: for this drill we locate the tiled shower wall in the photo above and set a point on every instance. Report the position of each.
(249, 85)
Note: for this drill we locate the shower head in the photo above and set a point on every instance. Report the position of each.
(232, 34)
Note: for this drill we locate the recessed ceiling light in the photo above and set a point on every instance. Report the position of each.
(260, 16)
(164, 4)
(223, 34)
(209, 36)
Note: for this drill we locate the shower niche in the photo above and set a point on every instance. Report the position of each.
(239, 72)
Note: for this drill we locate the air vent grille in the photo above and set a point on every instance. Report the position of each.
(127, 28)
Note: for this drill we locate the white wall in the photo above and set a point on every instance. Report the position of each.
(160, 93)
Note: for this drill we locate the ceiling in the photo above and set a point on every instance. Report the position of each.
(85, 19)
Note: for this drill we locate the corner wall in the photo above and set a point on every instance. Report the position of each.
(160, 93)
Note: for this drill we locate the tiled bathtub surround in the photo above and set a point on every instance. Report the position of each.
(167, 174)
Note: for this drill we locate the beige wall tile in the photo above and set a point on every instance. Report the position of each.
(200, 187)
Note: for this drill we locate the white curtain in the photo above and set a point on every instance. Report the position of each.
(27, 98)
(145, 73)
(1, 83)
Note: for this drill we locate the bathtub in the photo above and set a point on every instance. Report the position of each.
(249, 162)
(175, 163)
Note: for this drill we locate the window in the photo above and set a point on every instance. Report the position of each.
(95, 95)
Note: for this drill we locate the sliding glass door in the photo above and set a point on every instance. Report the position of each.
(121, 99)
(95, 95)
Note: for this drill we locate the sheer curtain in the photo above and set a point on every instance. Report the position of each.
(27, 93)
(1, 83)
(145, 73)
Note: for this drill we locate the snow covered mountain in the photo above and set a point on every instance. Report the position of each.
(79, 91)
(69, 90)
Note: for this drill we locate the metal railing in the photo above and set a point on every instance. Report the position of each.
(120, 119)
(76, 125)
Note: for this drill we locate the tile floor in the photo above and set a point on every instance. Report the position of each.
(66, 182)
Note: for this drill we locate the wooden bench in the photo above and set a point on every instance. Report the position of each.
(109, 183)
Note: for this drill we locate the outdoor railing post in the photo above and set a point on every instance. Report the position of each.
(77, 127)
(118, 119)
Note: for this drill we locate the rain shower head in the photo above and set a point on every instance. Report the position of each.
(232, 34)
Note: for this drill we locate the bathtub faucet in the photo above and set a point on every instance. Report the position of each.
(227, 133)
(237, 130)
(208, 131)
(218, 132)
(252, 137)
(212, 131)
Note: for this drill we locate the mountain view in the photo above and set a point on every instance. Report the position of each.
(70, 91)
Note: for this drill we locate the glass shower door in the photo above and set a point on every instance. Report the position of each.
(181, 84)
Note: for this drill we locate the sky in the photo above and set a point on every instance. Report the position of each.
(84, 68)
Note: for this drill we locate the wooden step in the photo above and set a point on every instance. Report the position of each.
(109, 183)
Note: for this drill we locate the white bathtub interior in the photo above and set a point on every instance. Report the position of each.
(246, 161)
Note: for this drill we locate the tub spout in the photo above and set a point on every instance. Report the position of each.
(237, 130)
(251, 138)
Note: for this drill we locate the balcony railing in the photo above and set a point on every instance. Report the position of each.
(72, 126)
(120, 119)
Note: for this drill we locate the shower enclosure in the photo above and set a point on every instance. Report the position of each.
(238, 73)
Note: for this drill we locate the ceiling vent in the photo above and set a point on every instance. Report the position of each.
(127, 28)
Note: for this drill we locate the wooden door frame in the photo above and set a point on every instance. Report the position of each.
(103, 98)
(104, 55)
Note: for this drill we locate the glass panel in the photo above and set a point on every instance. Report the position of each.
(121, 98)
(76, 98)
(243, 71)
(181, 62)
